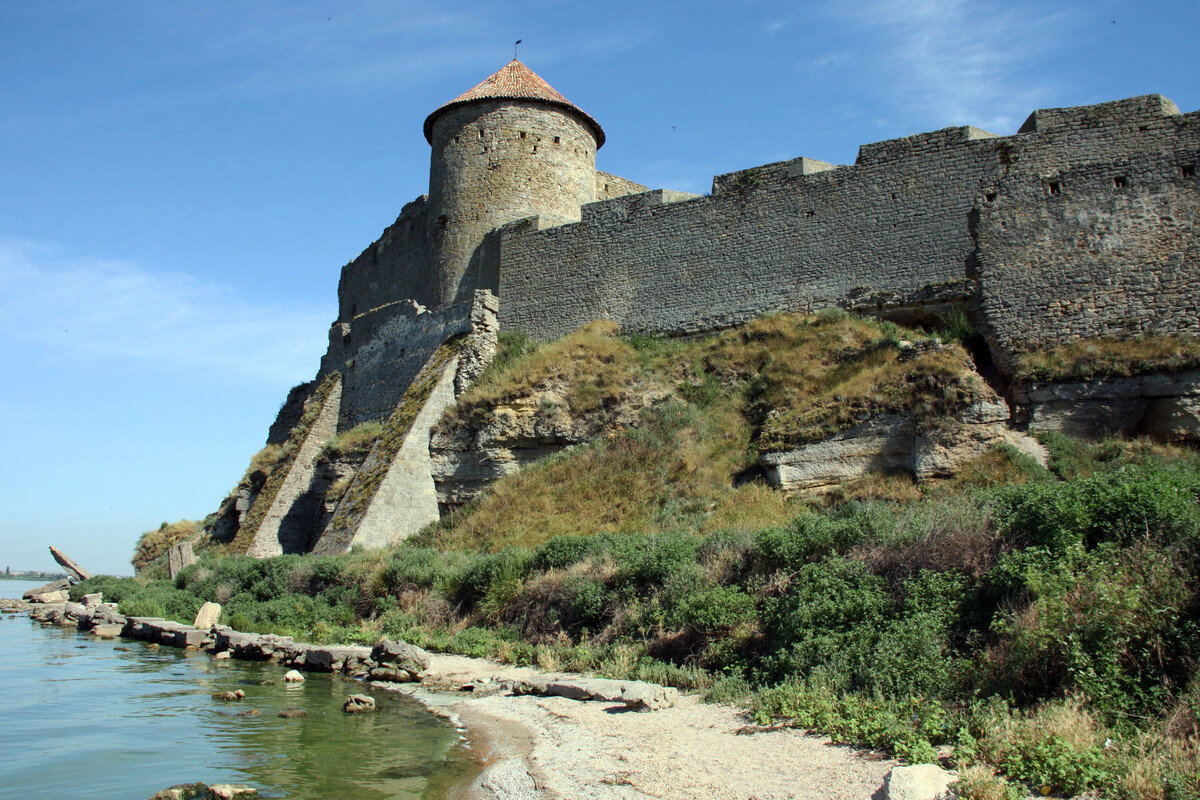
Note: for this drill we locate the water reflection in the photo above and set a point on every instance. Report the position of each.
(123, 720)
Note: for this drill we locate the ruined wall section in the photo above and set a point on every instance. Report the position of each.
(382, 352)
(394, 267)
(1107, 249)
(802, 234)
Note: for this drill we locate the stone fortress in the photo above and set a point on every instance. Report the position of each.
(1081, 224)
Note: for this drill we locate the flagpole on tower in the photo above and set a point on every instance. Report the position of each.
(515, 48)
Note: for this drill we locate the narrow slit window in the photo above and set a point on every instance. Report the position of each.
(556, 140)
(522, 134)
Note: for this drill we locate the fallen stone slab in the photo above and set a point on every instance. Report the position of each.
(57, 596)
(47, 612)
(390, 674)
(632, 694)
(333, 658)
(70, 566)
(106, 631)
(52, 586)
(93, 599)
(232, 791)
(182, 791)
(75, 610)
(208, 615)
(250, 646)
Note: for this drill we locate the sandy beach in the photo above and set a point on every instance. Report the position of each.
(555, 747)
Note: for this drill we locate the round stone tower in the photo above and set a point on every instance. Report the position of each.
(509, 148)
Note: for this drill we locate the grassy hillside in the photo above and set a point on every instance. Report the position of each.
(715, 404)
(1038, 626)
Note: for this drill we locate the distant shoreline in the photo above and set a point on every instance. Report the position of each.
(32, 576)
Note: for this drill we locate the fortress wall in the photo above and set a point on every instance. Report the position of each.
(384, 351)
(799, 234)
(1113, 252)
(788, 236)
(393, 267)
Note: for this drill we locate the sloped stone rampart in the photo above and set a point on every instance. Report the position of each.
(406, 499)
(281, 528)
(408, 481)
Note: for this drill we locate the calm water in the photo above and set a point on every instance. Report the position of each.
(118, 720)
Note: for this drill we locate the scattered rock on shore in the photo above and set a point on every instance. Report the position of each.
(237, 694)
(358, 704)
(207, 616)
(918, 782)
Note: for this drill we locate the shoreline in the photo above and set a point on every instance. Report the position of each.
(537, 735)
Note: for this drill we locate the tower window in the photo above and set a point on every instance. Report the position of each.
(989, 196)
(1188, 170)
(522, 134)
(1120, 181)
(481, 133)
(1054, 187)
(556, 140)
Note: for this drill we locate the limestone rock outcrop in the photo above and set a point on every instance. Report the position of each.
(895, 443)
(1165, 406)
(470, 454)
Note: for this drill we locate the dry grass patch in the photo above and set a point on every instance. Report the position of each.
(749, 507)
(664, 474)
(1105, 355)
(812, 377)
(591, 368)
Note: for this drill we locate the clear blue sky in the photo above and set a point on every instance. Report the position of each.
(181, 182)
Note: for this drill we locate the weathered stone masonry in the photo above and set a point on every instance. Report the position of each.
(800, 234)
(1081, 224)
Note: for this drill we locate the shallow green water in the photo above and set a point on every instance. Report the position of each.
(118, 719)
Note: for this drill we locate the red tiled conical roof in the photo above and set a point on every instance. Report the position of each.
(515, 81)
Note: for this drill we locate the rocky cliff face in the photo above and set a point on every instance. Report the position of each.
(470, 454)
